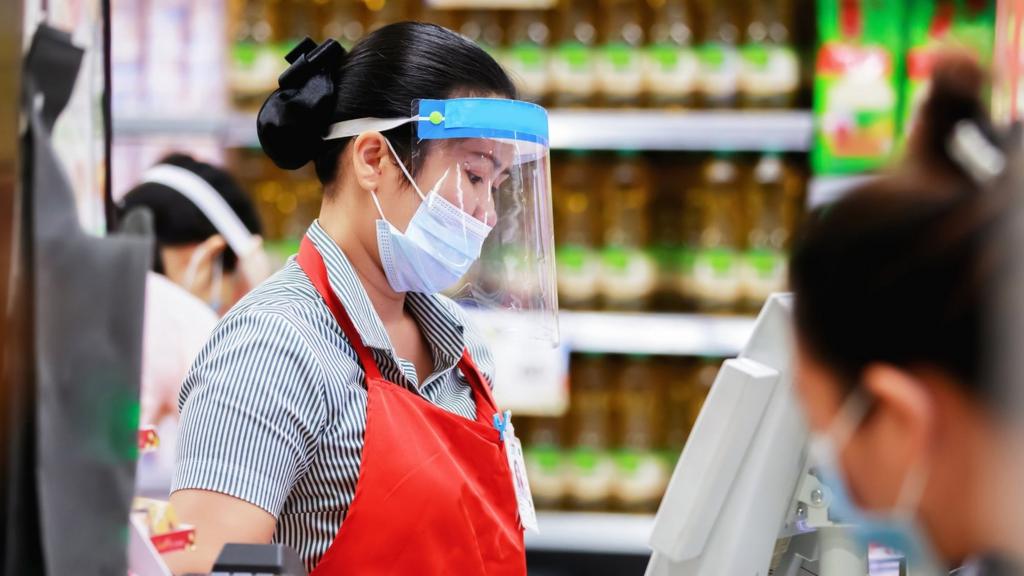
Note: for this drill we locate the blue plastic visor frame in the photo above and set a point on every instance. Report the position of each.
(495, 118)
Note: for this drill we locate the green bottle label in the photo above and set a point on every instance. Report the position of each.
(576, 54)
(686, 259)
(756, 56)
(628, 461)
(616, 259)
(584, 459)
(722, 261)
(764, 262)
(244, 54)
(712, 56)
(528, 54)
(572, 258)
(665, 54)
(620, 55)
(548, 459)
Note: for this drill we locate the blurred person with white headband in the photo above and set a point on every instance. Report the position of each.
(208, 254)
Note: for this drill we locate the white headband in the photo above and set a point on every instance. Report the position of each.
(210, 203)
(356, 127)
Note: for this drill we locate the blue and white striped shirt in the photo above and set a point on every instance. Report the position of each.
(273, 411)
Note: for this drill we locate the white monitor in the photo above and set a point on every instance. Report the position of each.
(738, 501)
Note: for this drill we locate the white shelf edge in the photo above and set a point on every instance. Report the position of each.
(822, 190)
(592, 532)
(655, 333)
(593, 129)
(736, 130)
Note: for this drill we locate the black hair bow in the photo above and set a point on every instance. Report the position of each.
(292, 121)
(308, 59)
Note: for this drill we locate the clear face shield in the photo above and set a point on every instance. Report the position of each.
(483, 232)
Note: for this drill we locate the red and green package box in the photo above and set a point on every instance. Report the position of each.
(855, 86)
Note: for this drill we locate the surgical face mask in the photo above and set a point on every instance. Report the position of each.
(439, 246)
(896, 528)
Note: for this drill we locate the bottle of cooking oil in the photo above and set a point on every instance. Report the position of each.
(573, 62)
(343, 21)
(629, 274)
(577, 231)
(665, 215)
(591, 468)
(671, 66)
(254, 58)
(770, 206)
(384, 12)
(545, 461)
(716, 279)
(641, 471)
(678, 376)
(620, 63)
(719, 55)
(770, 72)
(296, 22)
(483, 27)
(526, 57)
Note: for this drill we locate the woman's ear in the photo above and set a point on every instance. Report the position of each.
(899, 430)
(370, 154)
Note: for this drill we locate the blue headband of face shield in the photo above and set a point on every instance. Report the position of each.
(495, 118)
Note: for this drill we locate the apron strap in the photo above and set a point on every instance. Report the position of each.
(312, 263)
(480, 387)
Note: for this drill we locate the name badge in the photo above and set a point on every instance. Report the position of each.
(517, 466)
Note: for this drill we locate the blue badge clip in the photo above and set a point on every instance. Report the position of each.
(501, 422)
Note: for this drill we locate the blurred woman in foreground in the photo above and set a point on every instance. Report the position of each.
(893, 289)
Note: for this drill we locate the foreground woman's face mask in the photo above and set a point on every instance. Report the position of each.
(442, 241)
(896, 528)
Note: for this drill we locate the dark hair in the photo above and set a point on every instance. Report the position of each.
(901, 270)
(177, 221)
(380, 78)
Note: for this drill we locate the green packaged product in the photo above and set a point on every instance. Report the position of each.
(855, 85)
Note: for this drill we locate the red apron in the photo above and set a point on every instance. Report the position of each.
(435, 494)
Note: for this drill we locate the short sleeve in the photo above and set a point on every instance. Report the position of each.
(252, 410)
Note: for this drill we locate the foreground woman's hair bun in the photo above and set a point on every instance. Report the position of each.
(292, 121)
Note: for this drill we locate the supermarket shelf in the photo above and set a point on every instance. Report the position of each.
(235, 128)
(585, 532)
(827, 189)
(673, 130)
(597, 129)
(656, 334)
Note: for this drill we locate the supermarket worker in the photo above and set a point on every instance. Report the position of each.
(895, 318)
(208, 254)
(344, 407)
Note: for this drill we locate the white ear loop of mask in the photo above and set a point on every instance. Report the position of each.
(349, 128)
(847, 420)
(401, 166)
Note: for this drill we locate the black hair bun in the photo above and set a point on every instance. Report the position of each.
(293, 120)
(957, 83)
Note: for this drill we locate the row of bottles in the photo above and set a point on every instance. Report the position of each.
(638, 232)
(628, 421)
(582, 53)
